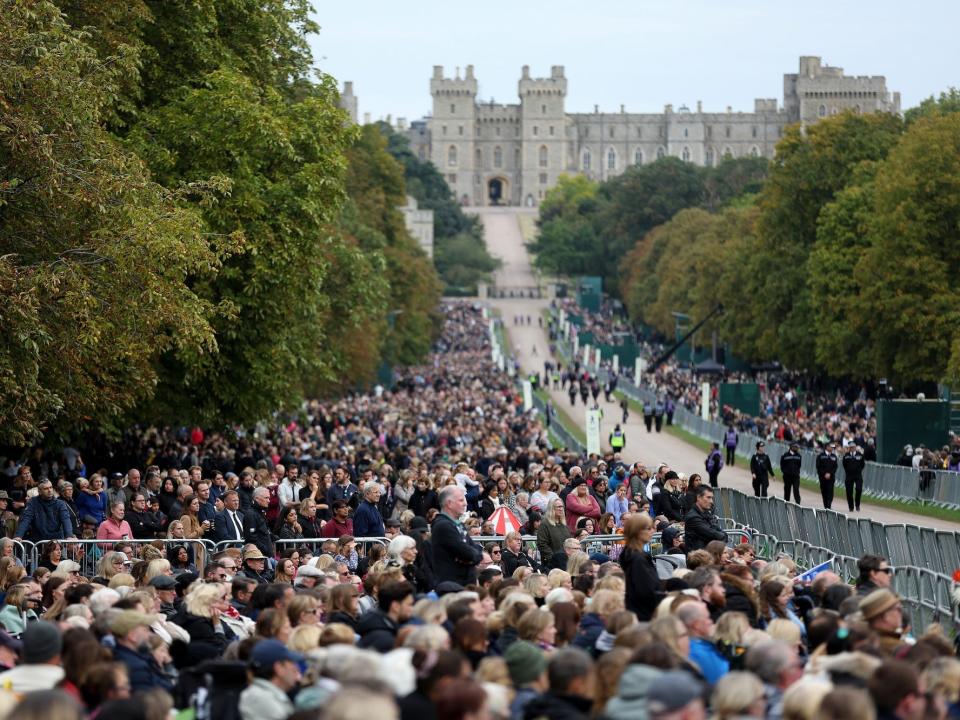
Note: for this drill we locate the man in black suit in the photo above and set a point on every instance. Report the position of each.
(455, 554)
(228, 523)
(256, 529)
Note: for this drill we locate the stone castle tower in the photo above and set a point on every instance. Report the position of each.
(495, 154)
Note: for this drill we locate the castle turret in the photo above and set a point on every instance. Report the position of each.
(348, 101)
(452, 130)
(543, 133)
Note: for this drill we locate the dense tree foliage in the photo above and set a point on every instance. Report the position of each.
(191, 229)
(588, 228)
(845, 264)
(459, 251)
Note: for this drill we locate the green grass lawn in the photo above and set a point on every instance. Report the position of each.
(563, 417)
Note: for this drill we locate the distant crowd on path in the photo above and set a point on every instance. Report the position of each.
(330, 568)
(789, 413)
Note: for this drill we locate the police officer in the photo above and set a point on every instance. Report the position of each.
(572, 392)
(617, 439)
(658, 411)
(827, 473)
(853, 464)
(790, 463)
(648, 416)
(761, 470)
(713, 464)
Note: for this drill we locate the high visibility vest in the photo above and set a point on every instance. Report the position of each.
(617, 440)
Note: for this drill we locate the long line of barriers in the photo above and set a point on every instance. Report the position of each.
(891, 482)
(923, 558)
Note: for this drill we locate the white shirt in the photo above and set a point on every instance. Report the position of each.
(28, 678)
(541, 500)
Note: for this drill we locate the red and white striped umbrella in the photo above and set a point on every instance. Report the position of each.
(504, 521)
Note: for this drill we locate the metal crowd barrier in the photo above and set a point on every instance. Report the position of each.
(923, 558)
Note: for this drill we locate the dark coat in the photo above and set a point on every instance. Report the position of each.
(790, 463)
(550, 544)
(256, 530)
(701, 528)
(509, 561)
(224, 529)
(144, 672)
(420, 502)
(342, 617)
(670, 505)
(591, 626)
(455, 554)
(205, 642)
(551, 706)
(377, 631)
(644, 588)
(45, 520)
(827, 463)
(367, 521)
(761, 467)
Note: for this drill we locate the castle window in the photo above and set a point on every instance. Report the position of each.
(551, 129)
(822, 111)
(686, 154)
(638, 157)
(661, 153)
(451, 178)
(612, 133)
(453, 109)
(544, 157)
(536, 130)
(497, 157)
(611, 159)
(753, 131)
(478, 158)
(460, 130)
(452, 156)
(856, 108)
(709, 132)
(586, 160)
(686, 132)
(728, 130)
(516, 158)
(660, 131)
(754, 151)
(543, 178)
(543, 109)
(444, 130)
(496, 131)
(708, 158)
(586, 132)
(727, 153)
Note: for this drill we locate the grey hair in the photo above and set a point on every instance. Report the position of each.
(261, 491)
(446, 493)
(398, 545)
(768, 659)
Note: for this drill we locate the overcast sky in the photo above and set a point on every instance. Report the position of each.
(641, 53)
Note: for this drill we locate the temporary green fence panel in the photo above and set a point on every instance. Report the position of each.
(745, 397)
(902, 422)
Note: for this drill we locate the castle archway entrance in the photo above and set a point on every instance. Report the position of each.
(497, 192)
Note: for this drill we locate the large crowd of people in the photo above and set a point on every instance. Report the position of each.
(793, 408)
(420, 552)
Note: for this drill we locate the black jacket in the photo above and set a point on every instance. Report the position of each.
(700, 529)
(670, 505)
(644, 588)
(509, 561)
(853, 465)
(790, 463)
(420, 502)
(377, 631)
(455, 555)
(224, 528)
(827, 463)
(143, 524)
(205, 642)
(256, 530)
(552, 706)
(761, 467)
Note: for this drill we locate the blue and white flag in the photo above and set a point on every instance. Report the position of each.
(810, 574)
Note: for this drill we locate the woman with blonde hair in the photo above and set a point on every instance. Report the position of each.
(576, 561)
(802, 700)
(305, 638)
(552, 534)
(644, 588)
(156, 568)
(303, 610)
(728, 636)
(738, 695)
(200, 615)
(110, 564)
(673, 633)
(537, 586)
(559, 578)
(538, 626)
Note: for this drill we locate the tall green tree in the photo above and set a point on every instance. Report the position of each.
(95, 258)
(810, 167)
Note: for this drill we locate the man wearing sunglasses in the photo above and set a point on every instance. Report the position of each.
(875, 573)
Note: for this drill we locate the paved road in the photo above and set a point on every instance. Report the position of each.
(530, 346)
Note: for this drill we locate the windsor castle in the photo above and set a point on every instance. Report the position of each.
(494, 154)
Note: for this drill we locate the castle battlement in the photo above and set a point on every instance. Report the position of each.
(495, 153)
